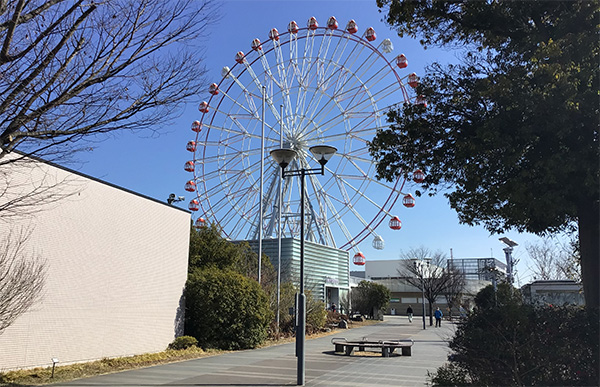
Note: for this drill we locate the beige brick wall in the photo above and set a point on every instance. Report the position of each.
(117, 265)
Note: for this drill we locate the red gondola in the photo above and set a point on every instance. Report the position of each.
(418, 176)
(196, 126)
(370, 34)
(332, 23)
(352, 27)
(189, 166)
(395, 223)
(408, 201)
(190, 186)
(359, 259)
(401, 61)
(194, 205)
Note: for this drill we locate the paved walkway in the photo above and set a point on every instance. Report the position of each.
(276, 365)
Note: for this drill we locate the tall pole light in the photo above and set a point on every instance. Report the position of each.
(284, 157)
(262, 173)
(280, 228)
(510, 244)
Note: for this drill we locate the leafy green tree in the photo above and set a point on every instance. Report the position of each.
(209, 249)
(225, 305)
(513, 128)
(369, 297)
(225, 309)
(506, 343)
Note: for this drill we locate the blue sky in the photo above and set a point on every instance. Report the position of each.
(153, 165)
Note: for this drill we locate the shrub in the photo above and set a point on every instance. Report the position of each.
(507, 343)
(316, 315)
(183, 342)
(226, 310)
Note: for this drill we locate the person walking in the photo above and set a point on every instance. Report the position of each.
(409, 313)
(438, 317)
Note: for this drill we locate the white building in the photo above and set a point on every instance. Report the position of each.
(553, 292)
(116, 267)
(403, 294)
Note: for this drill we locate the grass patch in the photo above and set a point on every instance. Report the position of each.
(40, 376)
(65, 373)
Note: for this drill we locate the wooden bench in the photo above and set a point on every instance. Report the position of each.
(387, 346)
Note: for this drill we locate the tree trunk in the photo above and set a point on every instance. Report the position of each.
(430, 313)
(589, 248)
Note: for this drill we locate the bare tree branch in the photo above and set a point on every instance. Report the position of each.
(22, 277)
(69, 70)
(425, 270)
(28, 187)
(552, 261)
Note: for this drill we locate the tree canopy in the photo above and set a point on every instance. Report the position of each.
(225, 306)
(369, 298)
(510, 133)
(79, 69)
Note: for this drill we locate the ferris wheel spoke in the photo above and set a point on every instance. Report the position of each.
(327, 204)
(259, 85)
(357, 215)
(354, 133)
(267, 198)
(323, 53)
(267, 68)
(337, 218)
(359, 192)
(341, 45)
(250, 111)
(283, 80)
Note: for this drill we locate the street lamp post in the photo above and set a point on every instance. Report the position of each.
(284, 157)
(510, 244)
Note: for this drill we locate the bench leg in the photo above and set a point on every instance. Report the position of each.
(339, 348)
(385, 352)
(406, 351)
(349, 350)
(361, 349)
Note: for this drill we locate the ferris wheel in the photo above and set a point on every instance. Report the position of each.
(300, 88)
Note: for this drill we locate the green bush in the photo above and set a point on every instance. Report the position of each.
(183, 342)
(316, 315)
(226, 310)
(504, 342)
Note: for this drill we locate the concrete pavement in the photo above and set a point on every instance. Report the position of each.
(276, 365)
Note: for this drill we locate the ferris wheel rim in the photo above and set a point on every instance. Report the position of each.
(323, 31)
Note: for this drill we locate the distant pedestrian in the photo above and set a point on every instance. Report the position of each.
(333, 307)
(438, 317)
(409, 313)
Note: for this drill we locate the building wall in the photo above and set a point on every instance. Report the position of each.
(116, 268)
(402, 294)
(554, 292)
(324, 266)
